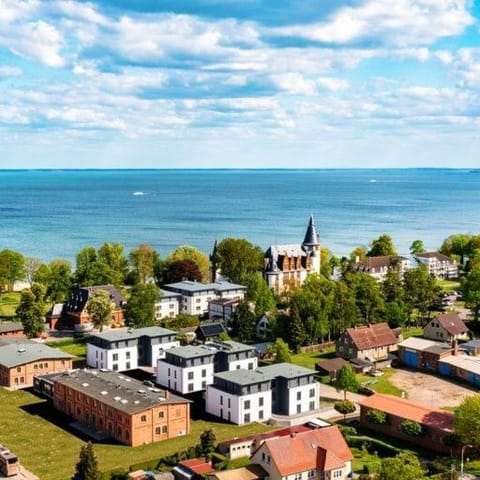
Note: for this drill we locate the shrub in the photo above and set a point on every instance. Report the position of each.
(376, 416)
(410, 428)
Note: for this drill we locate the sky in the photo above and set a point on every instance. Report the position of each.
(239, 83)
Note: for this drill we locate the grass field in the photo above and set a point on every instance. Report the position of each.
(33, 430)
(9, 303)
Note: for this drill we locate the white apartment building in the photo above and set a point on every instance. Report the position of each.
(168, 305)
(240, 396)
(195, 296)
(126, 349)
(186, 369)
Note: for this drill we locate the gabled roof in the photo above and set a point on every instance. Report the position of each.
(452, 323)
(401, 407)
(371, 336)
(437, 255)
(300, 452)
(311, 235)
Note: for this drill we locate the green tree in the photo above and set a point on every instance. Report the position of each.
(192, 254)
(280, 351)
(346, 380)
(417, 247)
(238, 259)
(180, 270)
(243, 322)
(470, 287)
(31, 310)
(99, 307)
(259, 293)
(466, 422)
(381, 246)
(208, 441)
(87, 465)
(140, 308)
(12, 268)
(404, 466)
(143, 260)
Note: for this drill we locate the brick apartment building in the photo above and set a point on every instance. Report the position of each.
(22, 359)
(121, 407)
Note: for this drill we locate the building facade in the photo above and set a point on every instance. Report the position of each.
(123, 408)
(287, 266)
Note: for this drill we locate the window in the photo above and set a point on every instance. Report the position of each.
(312, 393)
(190, 375)
(143, 418)
(115, 357)
(246, 404)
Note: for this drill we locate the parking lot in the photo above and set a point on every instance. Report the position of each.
(429, 389)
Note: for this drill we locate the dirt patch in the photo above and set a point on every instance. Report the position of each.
(429, 389)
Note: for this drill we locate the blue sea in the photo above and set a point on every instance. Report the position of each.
(53, 214)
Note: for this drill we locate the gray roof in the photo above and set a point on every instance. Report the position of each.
(286, 370)
(116, 335)
(190, 286)
(243, 376)
(311, 235)
(19, 351)
(121, 392)
(7, 327)
(191, 351)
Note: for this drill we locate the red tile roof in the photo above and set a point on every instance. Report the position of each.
(403, 408)
(371, 336)
(312, 450)
(452, 323)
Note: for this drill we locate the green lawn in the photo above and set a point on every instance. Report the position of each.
(9, 303)
(309, 359)
(33, 430)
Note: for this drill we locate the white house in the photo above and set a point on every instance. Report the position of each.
(240, 396)
(126, 349)
(195, 296)
(319, 454)
(186, 369)
(168, 305)
(439, 265)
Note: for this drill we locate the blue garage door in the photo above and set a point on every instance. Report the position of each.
(410, 359)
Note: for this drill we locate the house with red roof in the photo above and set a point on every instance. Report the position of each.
(436, 424)
(315, 454)
(371, 342)
(446, 327)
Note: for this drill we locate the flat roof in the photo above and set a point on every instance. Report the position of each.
(286, 370)
(18, 351)
(401, 407)
(116, 390)
(465, 362)
(243, 377)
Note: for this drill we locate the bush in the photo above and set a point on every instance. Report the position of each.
(410, 428)
(344, 407)
(376, 416)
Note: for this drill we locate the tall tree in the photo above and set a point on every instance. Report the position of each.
(243, 322)
(259, 293)
(100, 308)
(87, 465)
(466, 421)
(31, 310)
(417, 247)
(181, 270)
(239, 259)
(143, 260)
(192, 254)
(346, 379)
(470, 287)
(140, 308)
(381, 246)
(12, 267)
(404, 466)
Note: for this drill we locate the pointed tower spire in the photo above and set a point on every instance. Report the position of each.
(312, 238)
